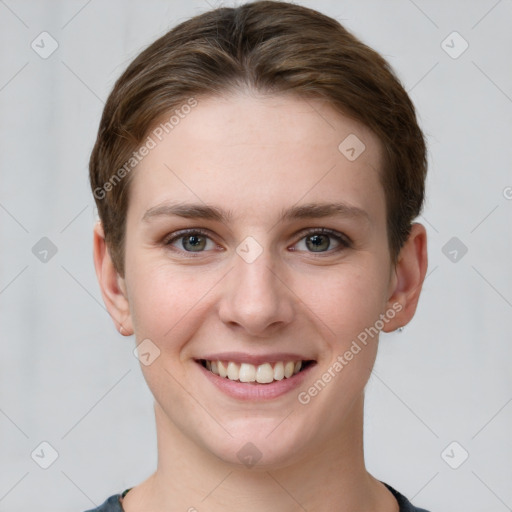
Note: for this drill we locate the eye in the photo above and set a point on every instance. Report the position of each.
(322, 240)
(191, 240)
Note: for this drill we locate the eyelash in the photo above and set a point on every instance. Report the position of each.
(182, 234)
(343, 240)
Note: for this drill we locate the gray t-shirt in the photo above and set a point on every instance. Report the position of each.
(113, 504)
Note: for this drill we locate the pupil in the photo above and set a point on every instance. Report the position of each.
(318, 242)
(194, 242)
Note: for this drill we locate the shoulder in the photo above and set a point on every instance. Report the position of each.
(111, 504)
(404, 504)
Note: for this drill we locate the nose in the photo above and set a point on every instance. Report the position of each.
(256, 298)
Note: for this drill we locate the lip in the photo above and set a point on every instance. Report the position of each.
(256, 359)
(253, 391)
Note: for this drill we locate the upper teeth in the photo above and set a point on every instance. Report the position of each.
(263, 373)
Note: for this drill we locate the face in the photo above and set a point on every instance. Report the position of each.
(254, 240)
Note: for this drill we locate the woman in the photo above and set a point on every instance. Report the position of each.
(257, 173)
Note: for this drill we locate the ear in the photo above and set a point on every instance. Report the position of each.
(407, 280)
(113, 286)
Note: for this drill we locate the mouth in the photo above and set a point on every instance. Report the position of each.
(255, 374)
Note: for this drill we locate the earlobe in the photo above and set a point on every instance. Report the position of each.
(112, 285)
(408, 278)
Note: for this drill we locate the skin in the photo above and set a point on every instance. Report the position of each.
(255, 156)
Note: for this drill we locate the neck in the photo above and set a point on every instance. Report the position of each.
(331, 477)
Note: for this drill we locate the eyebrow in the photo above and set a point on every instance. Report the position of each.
(205, 212)
(321, 210)
(188, 211)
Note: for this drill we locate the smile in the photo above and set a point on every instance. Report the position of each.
(264, 373)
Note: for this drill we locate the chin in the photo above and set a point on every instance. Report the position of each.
(258, 448)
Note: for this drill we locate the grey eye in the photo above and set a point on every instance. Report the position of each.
(318, 243)
(322, 241)
(193, 243)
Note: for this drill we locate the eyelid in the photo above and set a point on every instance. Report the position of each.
(326, 231)
(169, 239)
(176, 235)
(343, 239)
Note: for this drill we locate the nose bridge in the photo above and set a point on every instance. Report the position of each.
(255, 298)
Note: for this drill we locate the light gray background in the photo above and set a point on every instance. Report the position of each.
(68, 378)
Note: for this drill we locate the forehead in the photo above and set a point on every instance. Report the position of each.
(256, 154)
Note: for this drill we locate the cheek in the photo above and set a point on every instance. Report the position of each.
(347, 306)
(164, 301)
(346, 301)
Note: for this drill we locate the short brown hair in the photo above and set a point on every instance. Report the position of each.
(273, 47)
